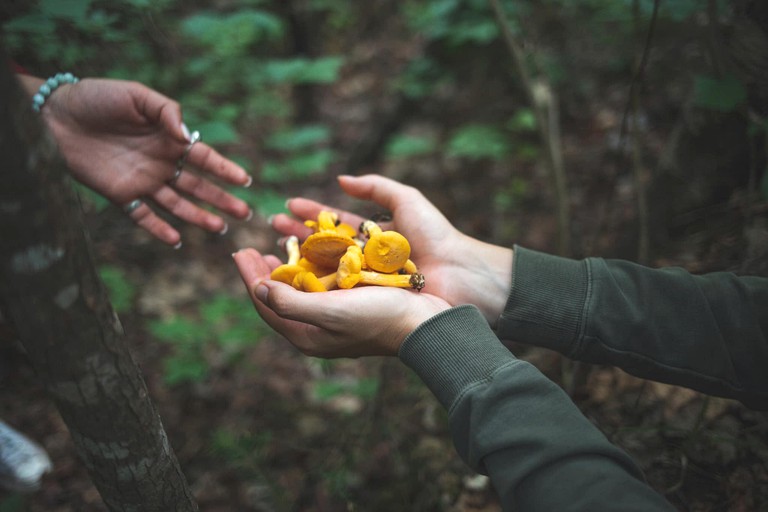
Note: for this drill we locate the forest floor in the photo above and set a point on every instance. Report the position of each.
(269, 429)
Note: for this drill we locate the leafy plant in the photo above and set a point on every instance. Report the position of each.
(121, 290)
(406, 146)
(225, 325)
(365, 388)
(477, 141)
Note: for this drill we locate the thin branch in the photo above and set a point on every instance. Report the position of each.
(545, 108)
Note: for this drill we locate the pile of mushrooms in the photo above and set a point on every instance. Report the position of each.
(334, 256)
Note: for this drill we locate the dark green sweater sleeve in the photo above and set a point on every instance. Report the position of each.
(509, 421)
(707, 332)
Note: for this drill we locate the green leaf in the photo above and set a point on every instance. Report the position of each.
(405, 146)
(722, 94)
(477, 141)
(309, 164)
(180, 369)
(217, 132)
(265, 202)
(121, 290)
(326, 390)
(233, 34)
(299, 137)
(91, 197)
(303, 71)
(217, 309)
(179, 330)
(522, 121)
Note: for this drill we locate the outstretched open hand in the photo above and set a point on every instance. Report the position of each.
(124, 140)
(457, 268)
(365, 321)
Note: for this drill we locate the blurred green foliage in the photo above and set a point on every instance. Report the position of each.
(121, 289)
(365, 388)
(224, 327)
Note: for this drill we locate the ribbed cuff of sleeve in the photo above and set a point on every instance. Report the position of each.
(453, 350)
(546, 305)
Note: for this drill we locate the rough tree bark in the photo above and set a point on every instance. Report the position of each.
(53, 296)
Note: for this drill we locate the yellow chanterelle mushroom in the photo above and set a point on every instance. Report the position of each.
(287, 272)
(326, 246)
(385, 251)
(351, 273)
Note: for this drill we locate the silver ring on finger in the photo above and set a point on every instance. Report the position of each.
(132, 206)
(194, 138)
(175, 177)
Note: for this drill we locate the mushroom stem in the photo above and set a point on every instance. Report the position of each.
(292, 248)
(415, 281)
(308, 282)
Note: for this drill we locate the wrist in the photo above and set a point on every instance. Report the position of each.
(46, 88)
(489, 278)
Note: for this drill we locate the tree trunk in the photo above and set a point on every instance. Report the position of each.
(51, 293)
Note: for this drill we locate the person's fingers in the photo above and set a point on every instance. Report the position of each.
(272, 261)
(307, 209)
(188, 211)
(320, 309)
(212, 194)
(253, 267)
(209, 160)
(255, 271)
(144, 217)
(382, 191)
(159, 109)
(287, 226)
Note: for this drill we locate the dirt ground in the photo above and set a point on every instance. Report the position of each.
(258, 433)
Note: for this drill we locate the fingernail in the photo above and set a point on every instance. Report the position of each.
(224, 230)
(249, 182)
(250, 215)
(287, 202)
(177, 246)
(262, 293)
(270, 219)
(187, 135)
(281, 241)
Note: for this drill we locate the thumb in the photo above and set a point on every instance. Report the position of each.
(163, 111)
(292, 304)
(372, 187)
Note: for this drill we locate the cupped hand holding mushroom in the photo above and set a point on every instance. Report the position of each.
(459, 269)
(366, 321)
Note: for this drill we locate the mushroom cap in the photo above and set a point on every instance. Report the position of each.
(346, 230)
(286, 273)
(316, 269)
(350, 265)
(387, 251)
(325, 248)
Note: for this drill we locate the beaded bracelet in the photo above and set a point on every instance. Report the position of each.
(50, 85)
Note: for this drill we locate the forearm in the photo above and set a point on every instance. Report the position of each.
(511, 422)
(703, 332)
